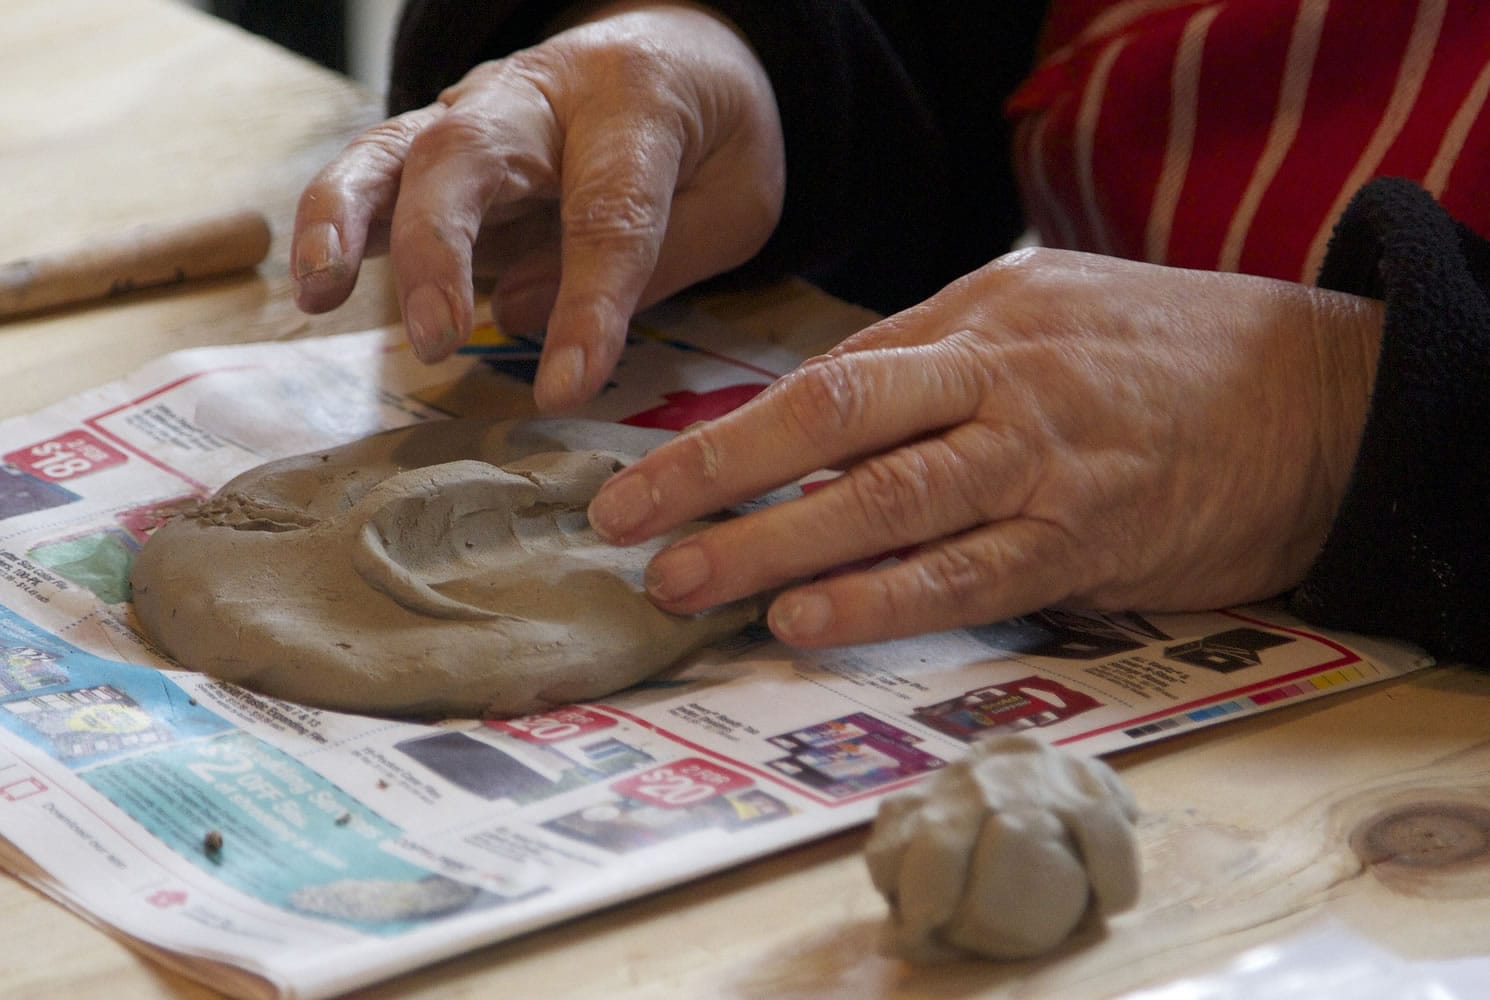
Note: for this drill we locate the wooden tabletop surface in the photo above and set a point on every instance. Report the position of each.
(144, 111)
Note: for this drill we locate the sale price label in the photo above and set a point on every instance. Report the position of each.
(680, 784)
(551, 727)
(73, 454)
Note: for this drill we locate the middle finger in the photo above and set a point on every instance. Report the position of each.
(468, 161)
(917, 493)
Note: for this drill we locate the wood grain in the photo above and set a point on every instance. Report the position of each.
(115, 264)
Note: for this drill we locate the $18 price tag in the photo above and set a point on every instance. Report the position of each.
(68, 456)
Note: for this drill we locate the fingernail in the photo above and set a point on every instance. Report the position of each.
(430, 324)
(563, 374)
(318, 253)
(621, 506)
(796, 617)
(676, 573)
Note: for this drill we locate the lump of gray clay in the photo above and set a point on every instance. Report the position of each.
(442, 569)
(1005, 853)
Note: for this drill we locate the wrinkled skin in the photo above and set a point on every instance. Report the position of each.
(614, 164)
(1054, 429)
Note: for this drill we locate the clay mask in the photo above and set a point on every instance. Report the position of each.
(441, 569)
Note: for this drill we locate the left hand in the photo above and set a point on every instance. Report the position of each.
(1056, 428)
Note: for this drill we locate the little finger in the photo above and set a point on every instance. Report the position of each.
(457, 169)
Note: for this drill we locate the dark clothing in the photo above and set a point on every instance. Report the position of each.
(900, 180)
(899, 175)
(1409, 552)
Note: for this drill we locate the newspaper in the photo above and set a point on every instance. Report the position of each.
(271, 849)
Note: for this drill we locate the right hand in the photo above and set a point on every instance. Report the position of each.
(1057, 428)
(592, 175)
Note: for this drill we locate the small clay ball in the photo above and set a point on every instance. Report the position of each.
(1004, 853)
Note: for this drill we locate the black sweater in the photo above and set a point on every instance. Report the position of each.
(899, 179)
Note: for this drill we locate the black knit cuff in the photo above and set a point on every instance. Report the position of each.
(1409, 552)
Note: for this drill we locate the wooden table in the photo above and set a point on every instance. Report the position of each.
(138, 111)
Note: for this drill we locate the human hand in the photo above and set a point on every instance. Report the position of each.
(1002, 853)
(1055, 428)
(592, 175)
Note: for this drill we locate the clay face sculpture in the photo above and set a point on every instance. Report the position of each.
(442, 569)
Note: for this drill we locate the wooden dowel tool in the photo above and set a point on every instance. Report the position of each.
(147, 257)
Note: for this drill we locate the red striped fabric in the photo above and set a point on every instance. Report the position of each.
(1229, 135)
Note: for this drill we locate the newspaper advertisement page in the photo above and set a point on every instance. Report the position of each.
(273, 849)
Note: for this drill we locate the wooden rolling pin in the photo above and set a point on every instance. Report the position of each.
(147, 257)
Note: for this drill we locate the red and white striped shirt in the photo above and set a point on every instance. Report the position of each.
(1229, 135)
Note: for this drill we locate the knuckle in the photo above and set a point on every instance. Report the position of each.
(621, 211)
(493, 155)
(626, 64)
(967, 464)
(477, 78)
(1026, 263)
(584, 69)
(1027, 258)
(388, 141)
(457, 132)
(891, 492)
(531, 70)
(499, 133)
(952, 576)
(893, 601)
(822, 399)
(1006, 279)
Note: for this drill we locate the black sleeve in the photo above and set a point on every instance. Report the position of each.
(1409, 552)
(899, 174)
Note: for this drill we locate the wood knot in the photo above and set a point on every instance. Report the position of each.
(1425, 835)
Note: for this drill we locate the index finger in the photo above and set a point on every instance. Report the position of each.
(813, 418)
(617, 184)
(497, 147)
